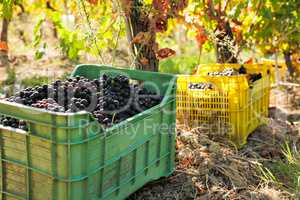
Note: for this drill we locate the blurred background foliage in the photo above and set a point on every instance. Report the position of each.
(96, 31)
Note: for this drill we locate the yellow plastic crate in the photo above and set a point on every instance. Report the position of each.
(231, 107)
(282, 70)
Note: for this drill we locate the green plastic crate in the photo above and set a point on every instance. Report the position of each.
(70, 157)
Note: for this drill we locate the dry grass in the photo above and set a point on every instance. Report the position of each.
(210, 168)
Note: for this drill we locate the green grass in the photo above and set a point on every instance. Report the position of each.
(11, 76)
(290, 170)
(284, 173)
(37, 80)
(34, 81)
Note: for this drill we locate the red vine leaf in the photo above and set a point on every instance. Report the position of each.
(94, 2)
(201, 37)
(238, 33)
(235, 29)
(141, 38)
(165, 53)
(161, 5)
(161, 23)
(178, 6)
(249, 61)
(3, 46)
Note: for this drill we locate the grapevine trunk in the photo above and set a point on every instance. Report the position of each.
(225, 44)
(138, 21)
(288, 62)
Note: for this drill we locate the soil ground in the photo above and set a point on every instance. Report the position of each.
(210, 169)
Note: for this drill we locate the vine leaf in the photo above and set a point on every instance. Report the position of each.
(161, 23)
(201, 37)
(161, 5)
(141, 38)
(165, 53)
(94, 2)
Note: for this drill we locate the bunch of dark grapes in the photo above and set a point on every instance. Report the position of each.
(29, 96)
(145, 99)
(110, 99)
(242, 70)
(200, 86)
(49, 104)
(119, 100)
(14, 123)
(80, 94)
(254, 77)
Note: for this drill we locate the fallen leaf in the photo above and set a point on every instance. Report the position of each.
(179, 144)
(185, 163)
